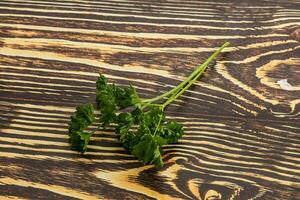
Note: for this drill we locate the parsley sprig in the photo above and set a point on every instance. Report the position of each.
(144, 129)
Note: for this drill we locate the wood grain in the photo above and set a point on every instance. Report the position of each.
(242, 128)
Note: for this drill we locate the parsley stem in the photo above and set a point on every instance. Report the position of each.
(172, 91)
(196, 74)
(159, 123)
(145, 105)
(191, 78)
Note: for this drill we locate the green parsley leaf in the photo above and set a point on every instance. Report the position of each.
(172, 132)
(148, 150)
(84, 116)
(144, 130)
(126, 96)
(106, 101)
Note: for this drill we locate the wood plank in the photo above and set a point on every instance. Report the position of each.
(241, 127)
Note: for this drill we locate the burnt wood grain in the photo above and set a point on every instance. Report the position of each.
(242, 127)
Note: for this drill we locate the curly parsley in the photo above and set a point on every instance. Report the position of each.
(144, 130)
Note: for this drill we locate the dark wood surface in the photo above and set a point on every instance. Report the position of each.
(242, 128)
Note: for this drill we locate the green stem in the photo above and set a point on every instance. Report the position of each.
(191, 77)
(172, 91)
(159, 122)
(144, 105)
(196, 74)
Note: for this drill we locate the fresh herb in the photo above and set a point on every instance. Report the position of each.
(144, 129)
(84, 116)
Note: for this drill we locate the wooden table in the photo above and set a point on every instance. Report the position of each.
(242, 126)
